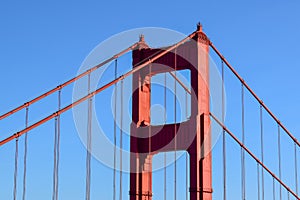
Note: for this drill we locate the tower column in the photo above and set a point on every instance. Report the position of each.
(197, 128)
(199, 151)
(141, 163)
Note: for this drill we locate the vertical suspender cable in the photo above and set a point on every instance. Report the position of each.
(165, 122)
(258, 184)
(274, 188)
(224, 138)
(296, 167)
(25, 155)
(186, 105)
(58, 144)
(186, 154)
(165, 174)
(115, 131)
(16, 169)
(121, 140)
(262, 151)
(279, 159)
(175, 129)
(243, 175)
(89, 143)
(56, 151)
(54, 159)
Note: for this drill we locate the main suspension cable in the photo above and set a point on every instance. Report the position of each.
(254, 95)
(137, 67)
(68, 107)
(282, 184)
(133, 46)
(25, 155)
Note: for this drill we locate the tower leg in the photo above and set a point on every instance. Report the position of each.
(141, 181)
(200, 161)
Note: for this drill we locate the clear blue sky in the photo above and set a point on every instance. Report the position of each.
(43, 44)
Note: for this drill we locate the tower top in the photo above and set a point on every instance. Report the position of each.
(142, 38)
(199, 27)
(142, 43)
(201, 36)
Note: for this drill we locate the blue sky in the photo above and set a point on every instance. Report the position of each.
(43, 44)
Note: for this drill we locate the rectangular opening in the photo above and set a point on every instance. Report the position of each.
(165, 88)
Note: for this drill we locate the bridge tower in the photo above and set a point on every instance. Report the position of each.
(146, 140)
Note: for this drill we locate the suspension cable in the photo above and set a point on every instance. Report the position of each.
(56, 151)
(25, 155)
(16, 168)
(138, 66)
(89, 143)
(186, 105)
(254, 95)
(54, 159)
(224, 135)
(262, 151)
(258, 182)
(133, 46)
(97, 91)
(186, 153)
(165, 122)
(115, 131)
(175, 121)
(243, 175)
(181, 83)
(224, 164)
(279, 159)
(58, 145)
(274, 188)
(165, 175)
(296, 167)
(121, 140)
(282, 184)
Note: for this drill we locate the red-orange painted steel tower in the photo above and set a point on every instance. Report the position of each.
(193, 135)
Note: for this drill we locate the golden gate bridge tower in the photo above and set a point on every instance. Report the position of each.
(193, 56)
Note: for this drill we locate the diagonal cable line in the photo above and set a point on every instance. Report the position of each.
(282, 184)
